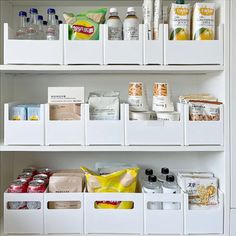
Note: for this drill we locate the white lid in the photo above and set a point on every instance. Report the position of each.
(113, 10)
(131, 9)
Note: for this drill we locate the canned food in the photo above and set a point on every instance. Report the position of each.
(45, 171)
(43, 177)
(26, 176)
(36, 186)
(18, 186)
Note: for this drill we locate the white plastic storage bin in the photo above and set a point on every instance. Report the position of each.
(157, 221)
(204, 132)
(104, 132)
(63, 221)
(24, 221)
(32, 51)
(65, 132)
(113, 221)
(204, 221)
(23, 132)
(153, 51)
(154, 132)
(83, 52)
(194, 52)
(123, 52)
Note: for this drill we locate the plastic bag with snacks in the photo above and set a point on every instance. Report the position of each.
(204, 111)
(121, 181)
(85, 26)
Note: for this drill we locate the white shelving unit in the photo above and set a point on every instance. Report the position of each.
(29, 83)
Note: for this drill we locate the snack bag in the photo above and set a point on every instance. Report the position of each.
(179, 22)
(204, 21)
(121, 181)
(85, 26)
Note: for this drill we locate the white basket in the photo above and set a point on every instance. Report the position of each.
(32, 51)
(83, 52)
(194, 52)
(209, 221)
(23, 132)
(204, 132)
(113, 221)
(153, 52)
(126, 52)
(104, 132)
(63, 221)
(154, 132)
(23, 221)
(68, 132)
(158, 221)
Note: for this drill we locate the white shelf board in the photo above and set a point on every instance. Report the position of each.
(4, 148)
(90, 69)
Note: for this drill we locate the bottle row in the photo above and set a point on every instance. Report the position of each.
(112, 52)
(124, 131)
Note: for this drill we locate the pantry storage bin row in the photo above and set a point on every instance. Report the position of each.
(113, 132)
(89, 220)
(112, 52)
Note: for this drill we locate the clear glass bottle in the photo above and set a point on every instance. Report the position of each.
(114, 25)
(131, 25)
(170, 187)
(52, 27)
(32, 28)
(152, 186)
(45, 23)
(21, 30)
(41, 32)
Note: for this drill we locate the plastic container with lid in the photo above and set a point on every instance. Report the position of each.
(114, 25)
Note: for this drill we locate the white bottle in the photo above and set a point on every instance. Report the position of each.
(131, 25)
(52, 32)
(152, 186)
(32, 28)
(21, 30)
(148, 17)
(114, 25)
(41, 32)
(170, 187)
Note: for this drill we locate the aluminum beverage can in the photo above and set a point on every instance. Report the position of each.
(26, 176)
(43, 177)
(45, 171)
(32, 170)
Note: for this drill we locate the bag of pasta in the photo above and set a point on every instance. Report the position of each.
(123, 181)
(85, 26)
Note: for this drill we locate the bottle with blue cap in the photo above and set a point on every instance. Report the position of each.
(52, 30)
(32, 29)
(41, 32)
(21, 30)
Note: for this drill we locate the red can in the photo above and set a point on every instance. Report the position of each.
(43, 177)
(45, 171)
(18, 186)
(36, 186)
(32, 170)
(26, 176)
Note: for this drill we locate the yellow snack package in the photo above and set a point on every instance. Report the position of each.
(123, 181)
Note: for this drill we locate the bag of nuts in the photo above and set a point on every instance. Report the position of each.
(204, 111)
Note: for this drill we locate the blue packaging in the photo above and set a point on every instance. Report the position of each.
(18, 112)
(33, 112)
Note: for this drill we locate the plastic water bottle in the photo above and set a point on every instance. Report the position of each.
(32, 28)
(21, 30)
(52, 27)
(57, 19)
(41, 32)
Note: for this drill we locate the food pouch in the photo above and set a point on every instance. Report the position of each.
(179, 22)
(204, 21)
(123, 181)
(85, 26)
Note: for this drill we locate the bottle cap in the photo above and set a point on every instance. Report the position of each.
(113, 10)
(152, 178)
(165, 171)
(45, 22)
(170, 178)
(149, 172)
(56, 16)
(28, 19)
(131, 9)
(22, 13)
(33, 11)
(40, 17)
(180, 2)
(51, 11)
(60, 22)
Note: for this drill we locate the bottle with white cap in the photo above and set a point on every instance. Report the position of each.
(114, 25)
(131, 25)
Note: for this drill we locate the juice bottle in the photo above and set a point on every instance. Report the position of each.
(114, 25)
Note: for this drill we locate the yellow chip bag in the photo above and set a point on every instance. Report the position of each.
(123, 181)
